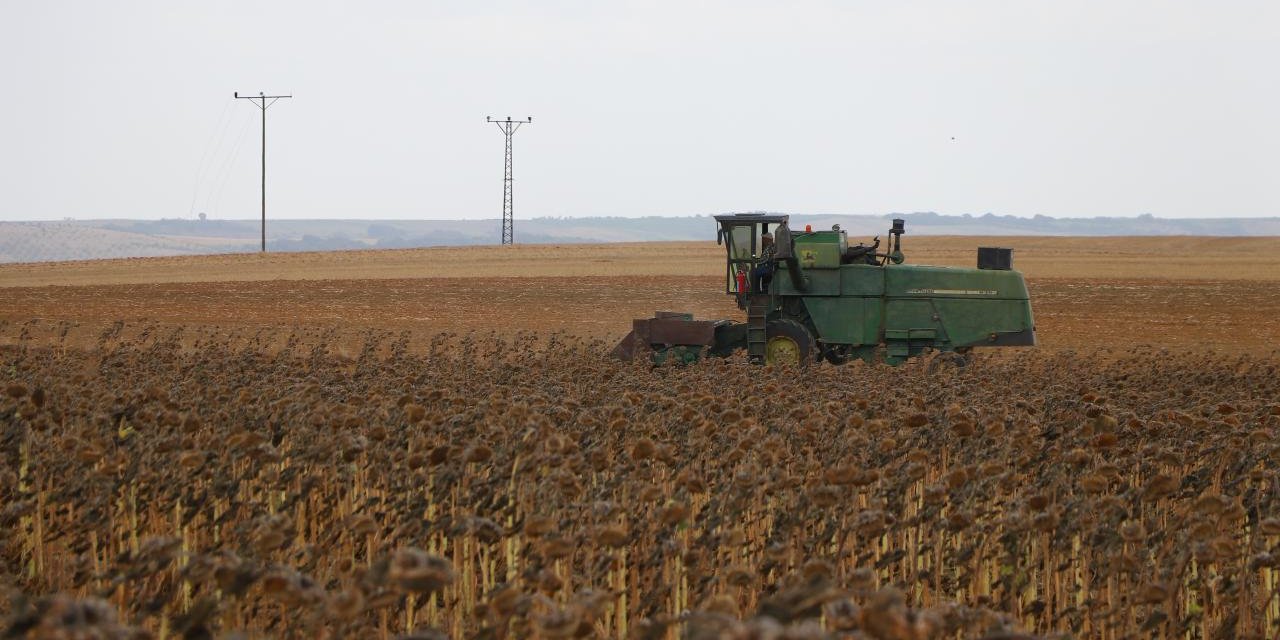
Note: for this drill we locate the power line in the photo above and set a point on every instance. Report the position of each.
(508, 128)
(219, 130)
(213, 200)
(260, 101)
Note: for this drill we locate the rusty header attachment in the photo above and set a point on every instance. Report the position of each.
(670, 333)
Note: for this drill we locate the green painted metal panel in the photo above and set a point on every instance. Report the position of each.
(820, 249)
(818, 256)
(839, 320)
(919, 333)
(820, 282)
(912, 320)
(872, 320)
(918, 281)
(971, 322)
(911, 307)
(819, 237)
(861, 280)
(969, 304)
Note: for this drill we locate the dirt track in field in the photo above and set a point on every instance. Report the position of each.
(1180, 292)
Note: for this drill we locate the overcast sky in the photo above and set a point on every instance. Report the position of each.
(125, 109)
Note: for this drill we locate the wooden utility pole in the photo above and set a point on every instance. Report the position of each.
(260, 101)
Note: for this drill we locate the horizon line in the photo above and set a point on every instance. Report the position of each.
(957, 216)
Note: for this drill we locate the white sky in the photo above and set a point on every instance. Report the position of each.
(124, 109)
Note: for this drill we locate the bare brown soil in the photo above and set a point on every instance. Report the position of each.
(1176, 258)
(1087, 292)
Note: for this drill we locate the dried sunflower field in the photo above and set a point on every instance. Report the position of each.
(527, 486)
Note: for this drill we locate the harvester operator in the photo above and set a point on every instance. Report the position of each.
(765, 264)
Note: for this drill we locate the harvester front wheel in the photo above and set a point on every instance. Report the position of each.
(788, 342)
(958, 359)
(837, 354)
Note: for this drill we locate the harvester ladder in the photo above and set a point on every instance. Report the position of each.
(757, 311)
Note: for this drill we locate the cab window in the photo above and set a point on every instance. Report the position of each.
(741, 241)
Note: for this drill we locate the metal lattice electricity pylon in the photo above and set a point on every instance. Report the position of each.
(260, 101)
(508, 128)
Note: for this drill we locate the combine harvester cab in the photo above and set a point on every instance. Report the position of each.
(813, 296)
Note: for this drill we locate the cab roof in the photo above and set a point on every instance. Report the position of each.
(770, 218)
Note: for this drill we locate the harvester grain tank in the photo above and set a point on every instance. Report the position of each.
(827, 299)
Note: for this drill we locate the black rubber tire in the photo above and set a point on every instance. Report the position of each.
(950, 359)
(836, 354)
(796, 333)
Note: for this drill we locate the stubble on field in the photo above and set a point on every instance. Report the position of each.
(1086, 292)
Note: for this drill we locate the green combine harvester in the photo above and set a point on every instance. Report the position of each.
(817, 297)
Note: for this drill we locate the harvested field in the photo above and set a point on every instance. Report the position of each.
(1230, 316)
(1178, 258)
(1086, 293)
(348, 449)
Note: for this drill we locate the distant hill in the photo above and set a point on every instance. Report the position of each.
(93, 239)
